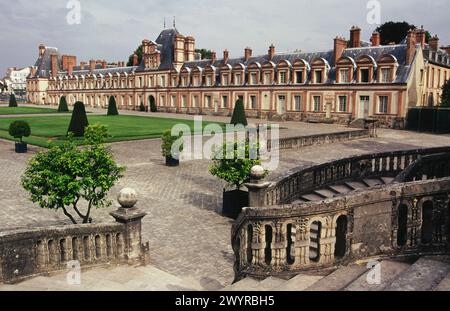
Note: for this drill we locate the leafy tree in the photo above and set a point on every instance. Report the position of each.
(239, 114)
(206, 54)
(153, 107)
(167, 142)
(445, 97)
(63, 105)
(64, 176)
(79, 120)
(19, 129)
(12, 101)
(233, 162)
(396, 32)
(112, 107)
(138, 52)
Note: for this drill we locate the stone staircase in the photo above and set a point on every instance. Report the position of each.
(110, 279)
(425, 274)
(327, 192)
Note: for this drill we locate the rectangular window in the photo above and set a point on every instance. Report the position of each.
(163, 81)
(238, 79)
(318, 76)
(208, 81)
(183, 101)
(195, 101)
(267, 78)
(225, 81)
(342, 103)
(224, 101)
(297, 103)
(343, 76)
(150, 81)
(383, 102)
(317, 103)
(173, 100)
(174, 81)
(253, 78)
(299, 77)
(283, 77)
(163, 100)
(253, 104)
(386, 75)
(364, 75)
(207, 101)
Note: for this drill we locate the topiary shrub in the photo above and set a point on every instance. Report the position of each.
(79, 120)
(142, 107)
(63, 105)
(112, 107)
(12, 101)
(153, 107)
(239, 114)
(19, 129)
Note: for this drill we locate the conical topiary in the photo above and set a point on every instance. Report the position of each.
(79, 120)
(12, 101)
(153, 107)
(239, 114)
(142, 107)
(112, 107)
(63, 105)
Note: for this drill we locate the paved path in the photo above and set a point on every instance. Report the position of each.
(187, 234)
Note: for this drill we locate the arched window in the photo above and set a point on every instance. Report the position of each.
(387, 68)
(197, 76)
(254, 73)
(319, 68)
(345, 68)
(284, 69)
(301, 70)
(268, 73)
(185, 77)
(239, 74)
(210, 75)
(225, 74)
(366, 67)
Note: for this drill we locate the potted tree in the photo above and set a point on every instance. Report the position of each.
(172, 157)
(230, 166)
(18, 130)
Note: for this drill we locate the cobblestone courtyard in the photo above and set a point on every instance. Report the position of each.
(187, 234)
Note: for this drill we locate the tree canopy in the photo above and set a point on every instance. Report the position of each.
(138, 52)
(445, 97)
(206, 54)
(396, 32)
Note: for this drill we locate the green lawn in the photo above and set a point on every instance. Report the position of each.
(120, 128)
(25, 110)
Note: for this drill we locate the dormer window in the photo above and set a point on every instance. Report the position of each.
(320, 68)
(318, 76)
(238, 79)
(364, 75)
(267, 78)
(282, 77)
(386, 75)
(344, 76)
(225, 80)
(253, 78)
(299, 77)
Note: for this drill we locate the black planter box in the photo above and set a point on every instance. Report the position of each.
(172, 162)
(21, 147)
(233, 202)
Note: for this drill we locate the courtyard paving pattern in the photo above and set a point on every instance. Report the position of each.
(188, 236)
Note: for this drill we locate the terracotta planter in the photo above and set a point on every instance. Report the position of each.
(21, 147)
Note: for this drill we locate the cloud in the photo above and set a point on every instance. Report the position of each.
(113, 29)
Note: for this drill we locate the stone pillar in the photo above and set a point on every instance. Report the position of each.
(256, 187)
(131, 217)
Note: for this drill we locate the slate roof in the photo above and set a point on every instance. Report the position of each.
(43, 64)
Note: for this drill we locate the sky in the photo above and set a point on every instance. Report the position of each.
(112, 29)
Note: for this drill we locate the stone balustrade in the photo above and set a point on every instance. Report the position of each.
(30, 252)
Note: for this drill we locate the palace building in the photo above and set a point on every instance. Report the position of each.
(355, 79)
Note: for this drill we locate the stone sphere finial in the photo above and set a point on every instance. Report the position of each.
(127, 198)
(257, 172)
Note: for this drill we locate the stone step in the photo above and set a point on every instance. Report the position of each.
(389, 270)
(325, 193)
(342, 189)
(356, 185)
(271, 283)
(424, 275)
(444, 285)
(247, 284)
(373, 182)
(299, 283)
(339, 279)
(311, 197)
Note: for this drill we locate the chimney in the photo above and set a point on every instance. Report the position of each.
(434, 43)
(340, 44)
(375, 39)
(355, 37)
(271, 51)
(135, 60)
(41, 50)
(226, 56)
(410, 47)
(92, 64)
(446, 49)
(54, 64)
(104, 64)
(82, 65)
(248, 53)
(33, 71)
(213, 57)
(421, 37)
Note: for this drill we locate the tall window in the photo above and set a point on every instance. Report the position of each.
(253, 102)
(283, 77)
(267, 78)
(386, 75)
(318, 76)
(297, 103)
(183, 101)
(364, 75)
(163, 81)
(225, 80)
(195, 101)
(343, 76)
(224, 101)
(317, 103)
(383, 102)
(207, 101)
(173, 100)
(238, 79)
(299, 77)
(253, 78)
(342, 103)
